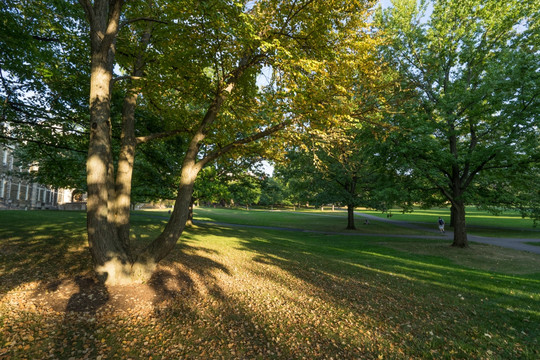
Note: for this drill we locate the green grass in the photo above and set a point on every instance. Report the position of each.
(475, 217)
(329, 221)
(232, 292)
(481, 223)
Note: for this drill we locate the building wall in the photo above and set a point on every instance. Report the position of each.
(19, 193)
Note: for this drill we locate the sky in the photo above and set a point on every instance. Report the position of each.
(385, 3)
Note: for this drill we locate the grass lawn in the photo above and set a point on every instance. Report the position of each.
(479, 222)
(247, 293)
(331, 221)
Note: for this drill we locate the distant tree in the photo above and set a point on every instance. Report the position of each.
(473, 68)
(510, 191)
(273, 192)
(212, 187)
(341, 166)
(245, 190)
(296, 173)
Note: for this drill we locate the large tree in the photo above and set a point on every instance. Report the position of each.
(160, 69)
(473, 67)
(201, 71)
(338, 158)
(343, 166)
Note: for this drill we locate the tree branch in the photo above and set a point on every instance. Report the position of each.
(477, 170)
(125, 77)
(131, 21)
(88, 10)
(215, 154)
(41, 38)
(115, 8)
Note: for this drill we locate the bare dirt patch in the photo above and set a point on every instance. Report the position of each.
(85, 294)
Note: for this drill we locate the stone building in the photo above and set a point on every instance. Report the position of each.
(17, 192)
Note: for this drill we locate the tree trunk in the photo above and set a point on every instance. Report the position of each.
(189, 221)
(159, 248)
(124, 173)
(102, 235)
(126, 157)
(166, 241)
(350, 217)
(460, 230)
(107, 252)
(452, 216)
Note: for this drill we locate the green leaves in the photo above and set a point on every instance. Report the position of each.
(471, 66)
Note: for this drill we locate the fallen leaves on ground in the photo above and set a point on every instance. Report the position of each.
(230, 303)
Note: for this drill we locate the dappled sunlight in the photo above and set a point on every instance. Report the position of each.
(273, 303)
(287, 305)
(39, 250)
(374, 269)
(529, 313)
(450, 277)
(254, 293)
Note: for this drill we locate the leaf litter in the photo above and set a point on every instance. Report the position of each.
(211, 302)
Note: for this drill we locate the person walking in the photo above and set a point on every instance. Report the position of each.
(441, 224)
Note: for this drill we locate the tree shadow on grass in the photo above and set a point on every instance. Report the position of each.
(198, 317)
(418, 295)
(41, 250)
(73, 315)
(183, 303)
(191, 312)
(76, 334)
(176, 277)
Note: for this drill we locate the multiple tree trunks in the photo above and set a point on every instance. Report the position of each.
(108, 219)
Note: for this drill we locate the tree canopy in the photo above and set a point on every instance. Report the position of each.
(473, 69)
